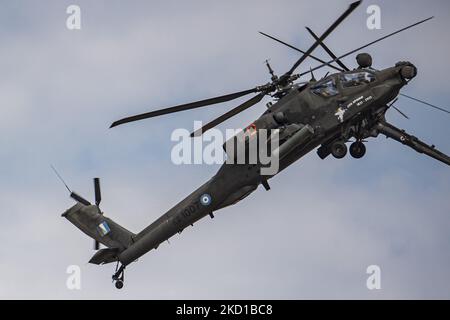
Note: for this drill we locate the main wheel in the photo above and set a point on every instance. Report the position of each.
(357, 149)
(119, 284)
(338, 149)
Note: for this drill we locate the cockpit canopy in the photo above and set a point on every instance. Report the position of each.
(355, 79)
(325, 88)
(328, 87)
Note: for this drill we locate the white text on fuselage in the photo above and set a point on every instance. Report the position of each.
(358, 102)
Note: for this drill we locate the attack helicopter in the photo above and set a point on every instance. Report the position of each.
(320, 114)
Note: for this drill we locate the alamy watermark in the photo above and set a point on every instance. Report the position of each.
(248, 146)
(73, 281)
(373, 282)
(373, 22)
(73, 21)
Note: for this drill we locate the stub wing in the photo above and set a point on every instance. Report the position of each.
(395, 133)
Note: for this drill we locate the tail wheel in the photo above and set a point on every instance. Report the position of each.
(119, 284)
(357, 149)
(119, 276)
(338, 149)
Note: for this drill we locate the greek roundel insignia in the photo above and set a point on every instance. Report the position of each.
(205, 199)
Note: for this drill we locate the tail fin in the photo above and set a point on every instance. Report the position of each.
(104, 230)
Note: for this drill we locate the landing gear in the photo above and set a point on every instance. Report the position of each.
(357, 149)
(338, 149)
(119, 284)
(118, 277)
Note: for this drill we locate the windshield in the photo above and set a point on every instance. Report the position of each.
(325, 89)
(355, 79)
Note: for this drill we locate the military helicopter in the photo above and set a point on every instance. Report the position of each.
(323, 114)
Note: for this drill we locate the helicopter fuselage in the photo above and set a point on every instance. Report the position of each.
(329, 106)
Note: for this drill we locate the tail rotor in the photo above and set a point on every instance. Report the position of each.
(98, 199)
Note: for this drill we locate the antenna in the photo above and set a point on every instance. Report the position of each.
(326, 74)
(312, 75)
(274, 76)
(60, 178)
(74, 195)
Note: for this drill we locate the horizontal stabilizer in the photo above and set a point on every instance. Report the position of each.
(104, 256)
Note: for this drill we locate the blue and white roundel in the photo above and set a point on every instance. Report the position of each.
(205, 199)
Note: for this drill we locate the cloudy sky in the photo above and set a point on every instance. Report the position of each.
(312, 236)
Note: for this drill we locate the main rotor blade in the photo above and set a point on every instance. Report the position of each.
(182, 107)
(98, 194)
(325, 47)
(247, 104)
(297, 49)
(79, 198)
(347, 12)
(425, 103)
(366, 45)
